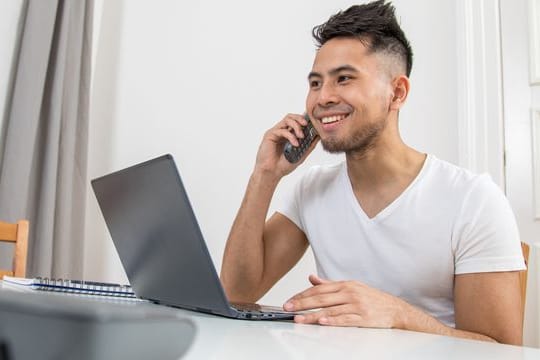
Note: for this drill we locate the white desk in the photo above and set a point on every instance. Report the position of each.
(222, 338)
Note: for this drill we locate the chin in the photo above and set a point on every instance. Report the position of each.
(338, 147)
(334, 147)
(358, 142)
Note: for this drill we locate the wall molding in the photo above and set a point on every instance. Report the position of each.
(534, 41)
(480, 94)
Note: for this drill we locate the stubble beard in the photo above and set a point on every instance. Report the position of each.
(359, 142)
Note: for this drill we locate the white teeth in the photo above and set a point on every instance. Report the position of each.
(331, 119)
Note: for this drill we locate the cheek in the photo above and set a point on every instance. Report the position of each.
(354, 98)
(372, 100)
(310, 101)
(382, 94)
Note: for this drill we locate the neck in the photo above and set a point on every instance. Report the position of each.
(390, 162)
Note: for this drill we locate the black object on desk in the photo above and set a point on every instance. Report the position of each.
(59, 326)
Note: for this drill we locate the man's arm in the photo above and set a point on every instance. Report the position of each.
(258, 253)
(490, 304)
(487, 307)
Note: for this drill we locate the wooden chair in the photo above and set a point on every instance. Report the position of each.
(18, 234)
(523, 276)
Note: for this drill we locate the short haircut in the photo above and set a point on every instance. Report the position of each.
(375, 25)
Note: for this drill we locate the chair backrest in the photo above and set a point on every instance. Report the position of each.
(523, 276)
(16, 233)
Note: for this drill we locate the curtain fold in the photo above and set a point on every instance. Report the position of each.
(43, 167)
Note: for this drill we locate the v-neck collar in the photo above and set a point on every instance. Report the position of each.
(390, 207)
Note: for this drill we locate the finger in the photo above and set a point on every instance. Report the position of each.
(328, 287)
(298, 118)
(309, 150)
(316, 316)
(295, 123)
(316, 280)
(277, 135)
(349, 319)
(317, 301)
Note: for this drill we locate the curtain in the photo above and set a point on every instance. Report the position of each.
(44, 157)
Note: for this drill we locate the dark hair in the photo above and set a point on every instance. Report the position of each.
(374, 24)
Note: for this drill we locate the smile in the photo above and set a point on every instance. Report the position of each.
(333, 119)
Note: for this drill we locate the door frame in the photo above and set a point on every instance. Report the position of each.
(480, 93)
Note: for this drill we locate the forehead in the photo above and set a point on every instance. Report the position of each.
(340, 51)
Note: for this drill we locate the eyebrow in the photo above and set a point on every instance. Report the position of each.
(334, 71)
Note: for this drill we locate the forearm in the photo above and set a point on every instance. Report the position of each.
(243, 259)
(352, 303)
(415, 319)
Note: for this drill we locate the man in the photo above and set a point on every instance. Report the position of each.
(401, 239)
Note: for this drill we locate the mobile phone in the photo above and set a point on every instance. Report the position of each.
(294, 153)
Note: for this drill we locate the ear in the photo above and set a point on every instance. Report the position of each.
(401, 87)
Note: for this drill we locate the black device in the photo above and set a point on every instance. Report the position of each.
(295, 153)
(52, 326)
(159, 242)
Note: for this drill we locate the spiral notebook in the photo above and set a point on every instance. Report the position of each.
(73, 286)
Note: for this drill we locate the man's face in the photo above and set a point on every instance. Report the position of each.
(349, 97)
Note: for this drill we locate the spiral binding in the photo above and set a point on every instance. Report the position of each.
(82, 287)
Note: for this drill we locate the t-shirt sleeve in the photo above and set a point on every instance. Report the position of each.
(486, 237)
(290, 205)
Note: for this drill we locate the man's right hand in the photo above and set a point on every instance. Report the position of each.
(270, 157)
(259, 252)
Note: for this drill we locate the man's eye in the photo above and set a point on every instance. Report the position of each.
(314, 83)
(343, 78)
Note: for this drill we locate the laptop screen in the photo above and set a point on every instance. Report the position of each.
(157, 236)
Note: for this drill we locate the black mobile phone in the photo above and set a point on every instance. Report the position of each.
(295, 153)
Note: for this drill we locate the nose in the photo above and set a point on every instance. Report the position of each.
(327, 95)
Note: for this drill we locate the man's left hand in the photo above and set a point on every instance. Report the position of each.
(346, 303)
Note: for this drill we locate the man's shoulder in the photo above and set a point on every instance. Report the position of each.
(323, 174)
(320, 179)
(449, 170)
(461, 186)
(454, 176)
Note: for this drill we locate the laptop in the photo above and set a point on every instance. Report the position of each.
(160, 244)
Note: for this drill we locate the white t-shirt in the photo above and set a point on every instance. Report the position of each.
(448, 221)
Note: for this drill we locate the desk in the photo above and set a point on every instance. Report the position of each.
(222, 338)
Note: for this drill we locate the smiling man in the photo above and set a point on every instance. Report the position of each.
(401, 239)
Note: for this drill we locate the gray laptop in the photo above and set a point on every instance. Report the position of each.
(160, 244)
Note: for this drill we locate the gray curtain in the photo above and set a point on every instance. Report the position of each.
(44, 157)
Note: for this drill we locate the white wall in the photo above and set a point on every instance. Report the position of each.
(519, 98)
(204, 80)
